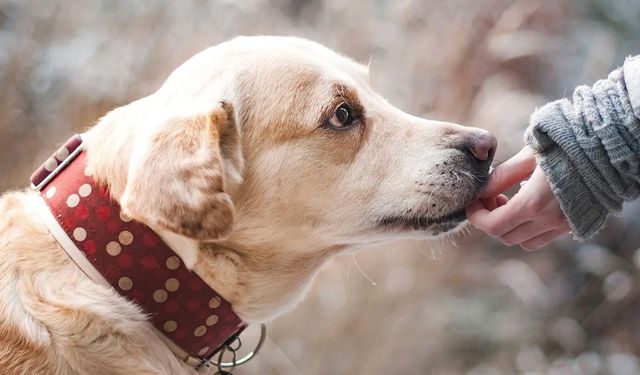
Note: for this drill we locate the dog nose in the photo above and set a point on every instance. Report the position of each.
(483, 146)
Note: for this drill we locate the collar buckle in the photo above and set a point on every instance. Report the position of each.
(232, 346)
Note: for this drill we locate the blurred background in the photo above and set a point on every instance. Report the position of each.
(468, 306)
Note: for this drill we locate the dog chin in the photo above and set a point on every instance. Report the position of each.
(433, 226)
(440, 230)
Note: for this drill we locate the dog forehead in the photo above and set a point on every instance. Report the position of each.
(286, 83)
(273, 58)
(283, 83)
(260, 61)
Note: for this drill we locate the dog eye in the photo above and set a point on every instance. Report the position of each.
(342, 118)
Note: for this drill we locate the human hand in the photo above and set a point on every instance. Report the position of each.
(532, 218)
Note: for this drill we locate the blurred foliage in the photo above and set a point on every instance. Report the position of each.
(409, 307)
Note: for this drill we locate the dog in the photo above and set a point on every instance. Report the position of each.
(256, 161)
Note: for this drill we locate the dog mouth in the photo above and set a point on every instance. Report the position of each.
(437, 224)
(447, 216)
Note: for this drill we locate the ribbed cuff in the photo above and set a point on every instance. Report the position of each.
(589, 148)
(584, 212)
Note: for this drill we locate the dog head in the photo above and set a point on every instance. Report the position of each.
(266, 143)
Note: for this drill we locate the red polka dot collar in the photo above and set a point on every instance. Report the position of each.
(112, 249)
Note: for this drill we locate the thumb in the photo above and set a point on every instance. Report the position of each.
(509, 173)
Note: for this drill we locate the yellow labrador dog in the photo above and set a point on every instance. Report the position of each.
(257, 161)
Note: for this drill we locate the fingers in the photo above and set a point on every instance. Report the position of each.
(532, 229)
(532, 218)
(523, 233)
(501, 200)
(490, 203)
(495, 202)
(544, 239)
(501, 220)
(473, 209)
(509, 173)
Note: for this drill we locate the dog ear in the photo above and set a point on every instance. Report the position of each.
(176, 178)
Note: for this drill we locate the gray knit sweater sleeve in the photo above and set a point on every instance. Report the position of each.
(589, 150)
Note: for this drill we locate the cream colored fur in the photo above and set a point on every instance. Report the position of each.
(234, 142)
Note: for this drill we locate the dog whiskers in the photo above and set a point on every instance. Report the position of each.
(366, 276)
(475, 177)
(429, 199)
(430, 252)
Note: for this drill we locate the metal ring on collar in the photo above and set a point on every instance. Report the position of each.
(246, 358)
